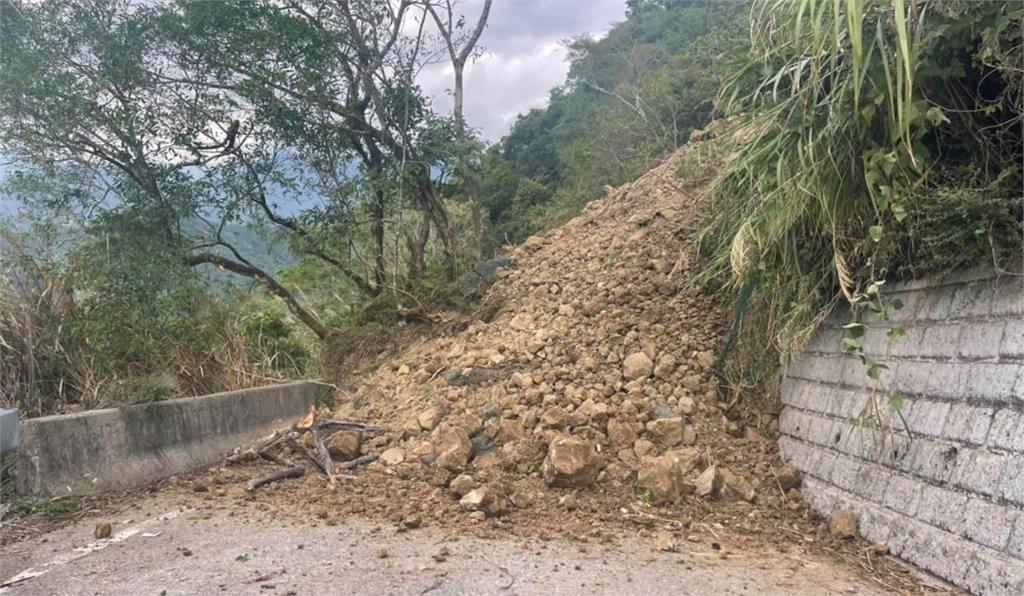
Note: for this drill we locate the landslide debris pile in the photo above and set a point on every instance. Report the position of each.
(590, 386)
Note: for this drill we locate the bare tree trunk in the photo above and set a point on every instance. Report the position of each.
(379, 265)
(458, 57)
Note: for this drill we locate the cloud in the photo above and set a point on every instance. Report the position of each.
(524, 57)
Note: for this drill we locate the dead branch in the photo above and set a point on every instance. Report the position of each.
(293, 472)
(271, 446)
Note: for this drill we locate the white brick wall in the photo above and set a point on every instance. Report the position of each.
(949, 498)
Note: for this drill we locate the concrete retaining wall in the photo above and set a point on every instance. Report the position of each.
(112, 449)
(943, 485)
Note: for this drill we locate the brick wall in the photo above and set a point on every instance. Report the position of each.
(941, 477)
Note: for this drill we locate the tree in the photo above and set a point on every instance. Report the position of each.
(460, 49)
(89, 82)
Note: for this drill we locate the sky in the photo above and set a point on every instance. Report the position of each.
(523, 57)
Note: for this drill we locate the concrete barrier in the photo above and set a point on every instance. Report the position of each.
(102, 450)
(942, 480)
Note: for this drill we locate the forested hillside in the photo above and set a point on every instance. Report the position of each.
(629, 99)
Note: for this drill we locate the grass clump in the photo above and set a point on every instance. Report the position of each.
(848, 120)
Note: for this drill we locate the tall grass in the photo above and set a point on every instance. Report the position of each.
(846, 108)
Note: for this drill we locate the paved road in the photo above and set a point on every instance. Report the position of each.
(159, 550)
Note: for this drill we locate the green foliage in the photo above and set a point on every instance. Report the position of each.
(630, 98)
(846, 117)
(55, 508)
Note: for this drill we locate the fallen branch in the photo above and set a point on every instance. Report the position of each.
(269, 448)
(365, 459)
(293, 472)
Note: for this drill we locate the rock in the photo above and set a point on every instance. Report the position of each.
(666, 366)
(392, 456)
(429, 418)
(662, 411)
(345, 444)
(571, 462)
(843, 525)
(691, 382)
(642, 448)
(521, 322)
(554, 417)
(880, 549)
(102, 530)
(521, 380)
(452, 446)
(706, 359)
(739, 487)
(665, 542)
(689, 436)
(637, 366)
(462, 484)
(486, 499)
(425, 452)
(665, 476)
(686, 405)
(481, 444)
(789, 477)
(666, 432)
(412, 521)
(621, 434)
(473, 500)
(710, 482)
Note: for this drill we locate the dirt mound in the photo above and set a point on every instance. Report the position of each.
(597, 364)
(584, 408)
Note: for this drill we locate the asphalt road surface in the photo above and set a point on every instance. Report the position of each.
(157, 549)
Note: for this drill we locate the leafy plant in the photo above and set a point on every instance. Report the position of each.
(843, 116)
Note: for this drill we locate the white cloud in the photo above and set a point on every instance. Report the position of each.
(524, 57)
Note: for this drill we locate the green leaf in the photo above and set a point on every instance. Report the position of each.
(876, 233)
(855, 329)
(850, 345)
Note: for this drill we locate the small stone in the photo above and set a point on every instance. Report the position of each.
(642, 448)
(429, 418)
(392, 456)
(473, 500)
(662, 411)
(880, 549)
(636, 366)
(739, 487)
(665, 542)
(521, 322)
(621, 434)
(689, 436)
(462, 484)
(481, 444)
(789, 477)
(666, 432)
(710, 482)
(411, 522)
(382, 553)
(478, 516)
(102, 531)
(843, 525)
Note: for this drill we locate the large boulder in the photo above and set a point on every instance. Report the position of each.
(452, 445)
(571, 462)
(665, 476)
